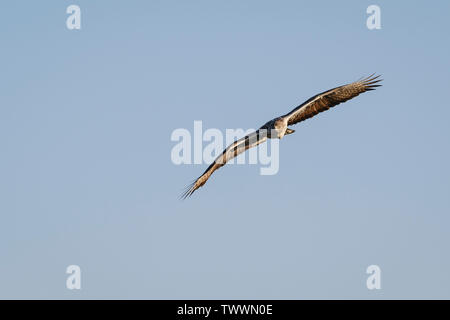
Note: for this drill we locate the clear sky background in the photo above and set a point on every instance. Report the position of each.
(86, 176)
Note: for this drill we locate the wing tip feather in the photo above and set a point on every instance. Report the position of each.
(189, 190)
(370, 82)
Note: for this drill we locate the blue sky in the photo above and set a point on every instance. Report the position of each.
(86, 176)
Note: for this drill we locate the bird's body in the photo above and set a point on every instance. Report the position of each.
(277, 128)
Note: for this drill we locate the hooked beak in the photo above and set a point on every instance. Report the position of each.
(289, 131)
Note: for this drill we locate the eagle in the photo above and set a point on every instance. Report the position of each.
(277, 128)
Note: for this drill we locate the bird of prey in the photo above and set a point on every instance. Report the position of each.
(277, 128)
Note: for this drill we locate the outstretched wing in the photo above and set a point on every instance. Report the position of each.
(325, 100)
(234, 149)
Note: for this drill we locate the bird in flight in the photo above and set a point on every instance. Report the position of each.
(277, 128)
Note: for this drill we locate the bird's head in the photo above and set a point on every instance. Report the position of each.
(280, 126)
